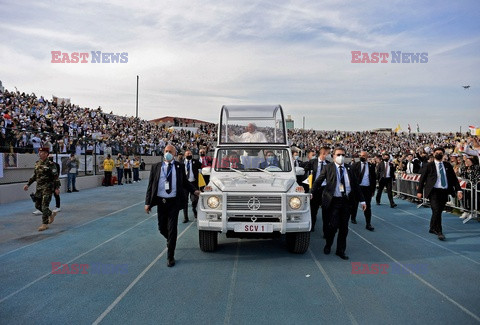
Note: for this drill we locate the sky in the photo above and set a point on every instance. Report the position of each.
(192, 57)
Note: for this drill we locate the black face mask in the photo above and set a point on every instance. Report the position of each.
(189, 157)
(439, 156)
(363, 159)
(386, 159)
(202, 155)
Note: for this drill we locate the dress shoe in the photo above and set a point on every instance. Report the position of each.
(378, 203)
(75, 190)
(369, 227)
(43, 227)
(354, 221)
(52, 217)
(68, 191)
(393, 205)
(171, 262)
(342, 256)
(432, 231)
(185, 220)
(326, 250)
(441, 236)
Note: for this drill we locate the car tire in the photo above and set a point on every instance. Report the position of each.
(298, 242)
(208, 240)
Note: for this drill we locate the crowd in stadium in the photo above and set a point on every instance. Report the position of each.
(28, 122)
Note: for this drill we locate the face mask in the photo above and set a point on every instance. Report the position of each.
(270, 159)
(339, 159)
(202, 155)
(362, 159)
(168, 156)
(295, 157)
(386, 159)
(439, 156)
(188, 157)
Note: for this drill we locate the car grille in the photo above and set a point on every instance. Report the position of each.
(254, 203)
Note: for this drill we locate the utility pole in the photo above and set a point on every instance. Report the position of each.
(136, 114)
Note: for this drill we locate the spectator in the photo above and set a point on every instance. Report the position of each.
(72, 171)
(108, 165)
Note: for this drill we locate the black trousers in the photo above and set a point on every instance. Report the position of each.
(57, 200)
(367, 194)
(438, 199)
(315, 204)
(388, 183)
(194, 199)
(167, 211)
(108, 178)
(338, 214)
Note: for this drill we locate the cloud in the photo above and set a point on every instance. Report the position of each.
(194, 56)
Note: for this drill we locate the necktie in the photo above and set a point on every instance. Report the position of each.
(319, 169)
(342, 180)
(169, 178)
(188, 169)
(443, 179)
(363, 171)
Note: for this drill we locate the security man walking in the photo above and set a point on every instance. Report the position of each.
(46, 176)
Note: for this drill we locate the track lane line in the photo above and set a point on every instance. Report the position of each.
(78, 226)
(427, 240)
(233, 283)
(132, 284)
(73, 260)
(333, 288)
(419, 278)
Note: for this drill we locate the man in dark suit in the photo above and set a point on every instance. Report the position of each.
(166, 187)
(191, 169)
(438, 180)
(365, 174)
(340, 192)
(386, 176)
(411, 165)
(298, 163)
(315, 167)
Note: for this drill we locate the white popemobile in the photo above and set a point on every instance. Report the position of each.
(253, 191)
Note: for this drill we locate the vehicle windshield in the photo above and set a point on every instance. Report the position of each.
(253, 160)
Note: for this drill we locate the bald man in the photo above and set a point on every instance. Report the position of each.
(166, 190)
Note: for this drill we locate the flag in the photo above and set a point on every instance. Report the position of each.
(472, 129)
(309, 180)
(409, 128)
(418, 128)
(201, 180)
(398, 128)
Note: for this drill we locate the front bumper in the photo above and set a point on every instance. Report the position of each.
(282, 217)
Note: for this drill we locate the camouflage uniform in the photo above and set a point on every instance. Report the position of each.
(46, 176)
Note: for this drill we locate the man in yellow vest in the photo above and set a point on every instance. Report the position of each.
(108, 165)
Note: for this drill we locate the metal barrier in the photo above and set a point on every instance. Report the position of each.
(406, 186)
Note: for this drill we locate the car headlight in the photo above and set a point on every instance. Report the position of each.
(295, 203)
(213, 202)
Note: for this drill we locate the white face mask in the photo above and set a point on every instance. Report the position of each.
(339, 159)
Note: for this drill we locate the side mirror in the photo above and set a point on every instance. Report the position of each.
(206, 171)
(299, 171)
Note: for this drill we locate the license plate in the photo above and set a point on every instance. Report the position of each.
(253, 227)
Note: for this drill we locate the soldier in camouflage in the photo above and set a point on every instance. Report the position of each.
(46, 176)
